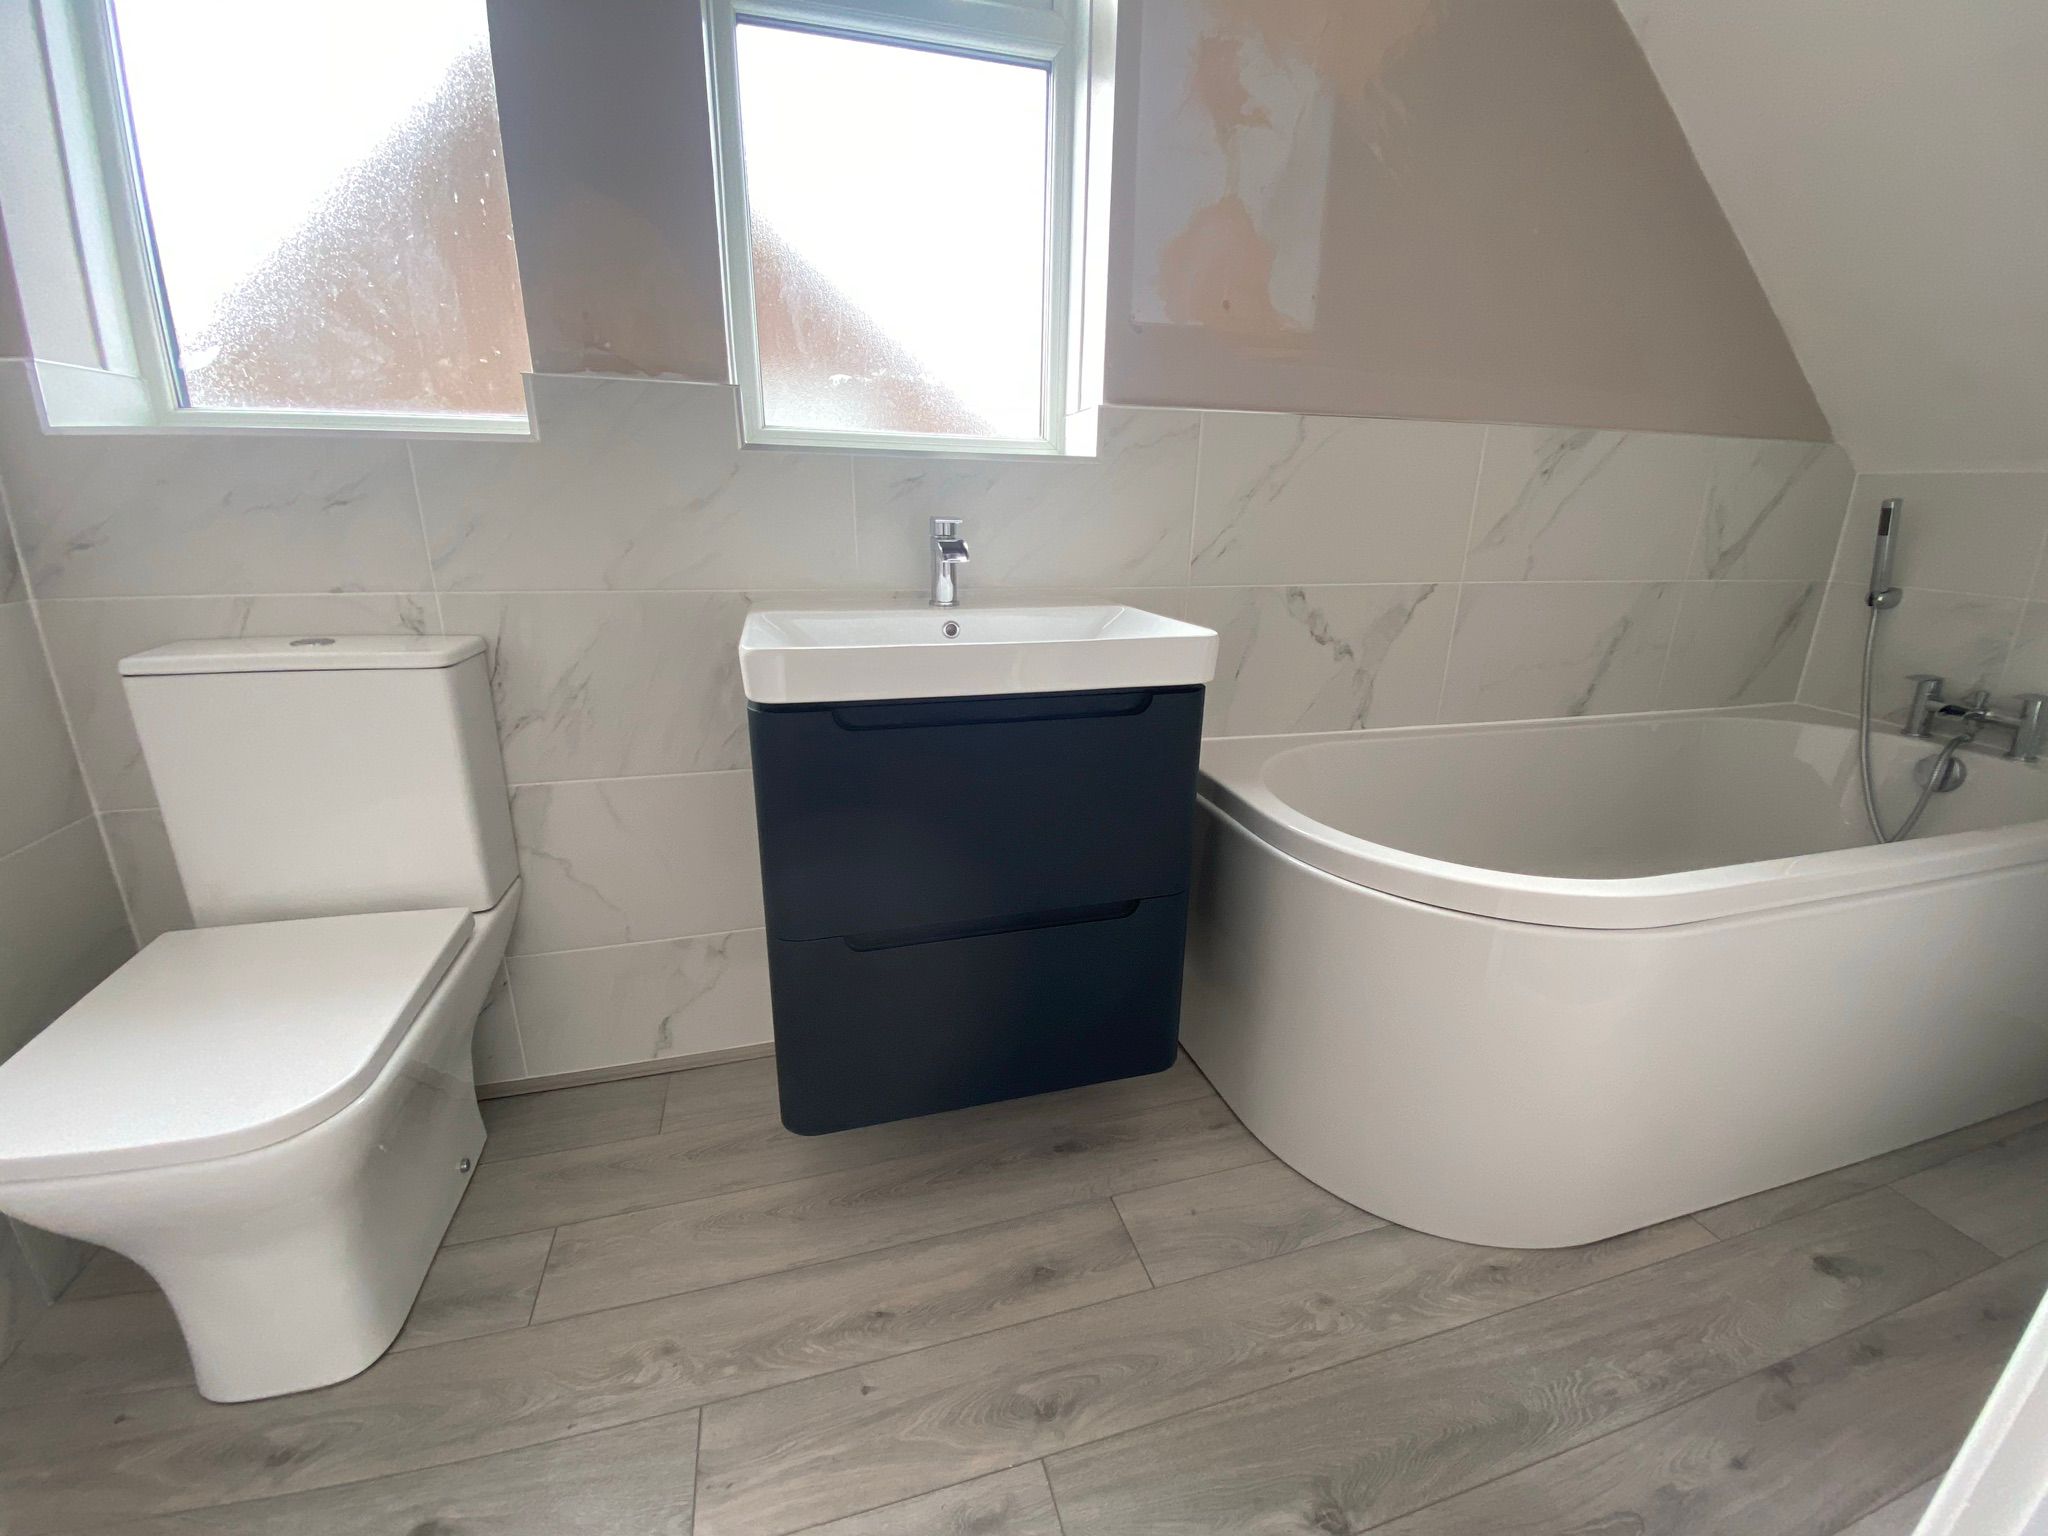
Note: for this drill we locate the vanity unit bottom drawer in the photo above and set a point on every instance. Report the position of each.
(886, 1026)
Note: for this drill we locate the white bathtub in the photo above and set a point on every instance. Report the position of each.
(1532, 985)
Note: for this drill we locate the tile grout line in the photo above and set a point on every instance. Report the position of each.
(1058, 1516)
(540, 1280)
(419, 512)
(1443, 688)
(696, 1470)
(64, 713)
(1132, 1238)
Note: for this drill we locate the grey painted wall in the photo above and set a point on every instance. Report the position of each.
(1458, 209)
(1500, 215)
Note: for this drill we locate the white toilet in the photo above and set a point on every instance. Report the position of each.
(274, 1113)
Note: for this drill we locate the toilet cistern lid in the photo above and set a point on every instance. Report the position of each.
(214, 1041)
(303, 653)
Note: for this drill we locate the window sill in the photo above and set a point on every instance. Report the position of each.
(72, 401)
(1078, 443)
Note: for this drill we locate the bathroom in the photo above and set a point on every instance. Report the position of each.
(1469, 426)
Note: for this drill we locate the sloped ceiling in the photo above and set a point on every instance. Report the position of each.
(1885, 165)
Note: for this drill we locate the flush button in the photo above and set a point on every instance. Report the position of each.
(315, 640)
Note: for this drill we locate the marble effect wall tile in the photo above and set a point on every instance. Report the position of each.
(89, 636)
(642, 1002)
(1740, 642)
(1964, 637)
(138, 515)
(62, 929)
(1774, 510)
(602, 685)
(147, 871)
(623, 860)
(496, 1053)
(42, 787)
(2026, 669)
(1122, 519)
(1547, 650)
(1285, 498)
(1565, 505)
(634, 484)
(1324, 658)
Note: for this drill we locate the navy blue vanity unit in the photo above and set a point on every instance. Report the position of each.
(972, 899)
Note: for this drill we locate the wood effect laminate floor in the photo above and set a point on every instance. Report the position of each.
(1101, 1312)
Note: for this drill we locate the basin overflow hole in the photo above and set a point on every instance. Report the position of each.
(949, 629)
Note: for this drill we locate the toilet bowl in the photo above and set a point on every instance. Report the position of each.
(274, 1114)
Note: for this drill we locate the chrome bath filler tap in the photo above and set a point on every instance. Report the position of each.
(948, 550)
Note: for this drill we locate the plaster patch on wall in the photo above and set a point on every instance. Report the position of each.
(1234, 148)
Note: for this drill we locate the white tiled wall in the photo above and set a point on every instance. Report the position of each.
(1361, 574)
(62, 927)
(1972, 560)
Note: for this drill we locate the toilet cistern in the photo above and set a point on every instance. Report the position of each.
(948, 550)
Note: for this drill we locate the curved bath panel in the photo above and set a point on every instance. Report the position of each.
(1530, 1084)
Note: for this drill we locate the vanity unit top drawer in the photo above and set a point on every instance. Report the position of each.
(887, 818)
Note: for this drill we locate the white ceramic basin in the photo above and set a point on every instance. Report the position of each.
(827, 655)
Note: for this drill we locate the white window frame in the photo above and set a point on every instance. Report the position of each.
(1053, 34)
(138, 387)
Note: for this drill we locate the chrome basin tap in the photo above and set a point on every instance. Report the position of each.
(948, 550)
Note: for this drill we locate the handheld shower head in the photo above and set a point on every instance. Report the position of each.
(1882, 593)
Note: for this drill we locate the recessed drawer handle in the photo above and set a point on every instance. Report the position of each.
(940, 933)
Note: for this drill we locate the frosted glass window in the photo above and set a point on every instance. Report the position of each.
(326, 200)
(896, 207)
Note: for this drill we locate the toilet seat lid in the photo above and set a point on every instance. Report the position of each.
(214, 1041)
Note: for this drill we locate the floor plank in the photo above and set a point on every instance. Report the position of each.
(1370, 1441)
(1256, 1212)
(635, 1480)
(782, 1459)
(1998, 1194)
(717, 1153)
(522, 1125)
(1797, 1449)
(119, 1343)
(732, 1090)
(1901, 1517)
(130, 1342)
(1013, 1503)
(1753, 1211)
(959, 1183)
(477, 1288)
(90, 1460)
